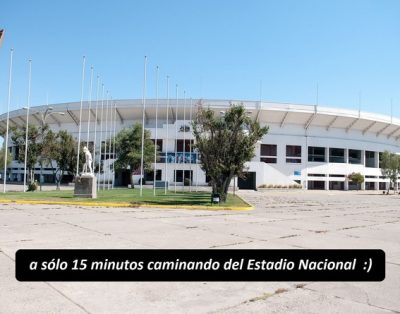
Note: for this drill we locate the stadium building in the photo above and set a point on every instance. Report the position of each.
(315, 146)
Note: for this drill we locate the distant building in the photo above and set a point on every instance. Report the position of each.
(316, 147)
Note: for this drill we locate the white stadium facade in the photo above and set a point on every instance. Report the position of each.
(315, 146)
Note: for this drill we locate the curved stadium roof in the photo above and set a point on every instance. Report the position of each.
(267, 112)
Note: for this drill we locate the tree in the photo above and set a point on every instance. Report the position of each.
(128, 149)
(18, 136)
(225, 143)
(65, 155)
(356, 178)
(390, 167)
(2, 155)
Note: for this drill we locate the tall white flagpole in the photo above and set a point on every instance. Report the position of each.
(190, 146)
(166, 141)
(184, 140)
(8, 120)
(155, 141)
(95, 125)
(105, 143)
(90, 105)
(80, 116)
(197, 166)
(109, 146)
(101, 137)
(114, 155)
(27, 122)
(176, 135)
(143, 111)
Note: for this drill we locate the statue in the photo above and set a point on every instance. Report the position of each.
(88, 161)
(85, 184)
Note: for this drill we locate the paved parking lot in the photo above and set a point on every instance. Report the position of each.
(293, 219)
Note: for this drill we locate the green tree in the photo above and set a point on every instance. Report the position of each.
(390, 167)
(2, 155)
(225, 143)
(64, 155)
(128, 149)
(356, 178)
(18, 136)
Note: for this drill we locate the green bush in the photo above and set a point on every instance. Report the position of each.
(33, 186)
(187, 182)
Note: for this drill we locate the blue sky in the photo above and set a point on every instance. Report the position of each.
(212, 49)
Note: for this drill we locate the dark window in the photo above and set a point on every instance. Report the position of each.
(369, 159)
(149, 175)
(293, 160)
(17, 152)
(316, 154)
(354, 156)
(337, 175)
(159, 144)
(336, 155)
(370, 185)
(294, 152)
(268, 153)
(336, 185)
(268, 160)
(316, 185)
(268, 150)
(380, 158)
(188, 144)
(179, 175)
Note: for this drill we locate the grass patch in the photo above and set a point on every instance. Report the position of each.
(130, 196)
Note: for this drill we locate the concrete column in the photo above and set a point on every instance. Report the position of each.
(328, 171)
(376, 159)
(363, 157)
(327, 184)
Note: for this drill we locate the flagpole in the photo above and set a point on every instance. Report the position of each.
(109, 146)
(95, 126)
(101, 137)
(155, 141)
(176, 135)
(197, 166)
(90, 105)
(166, 141)
(105, 143)
(184, 140)
(80, 116)
(114, 155)
(190, 147)
(143, 111)
(8, 120)
(27, 122)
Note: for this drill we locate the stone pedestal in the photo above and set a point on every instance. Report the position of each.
(85, 186)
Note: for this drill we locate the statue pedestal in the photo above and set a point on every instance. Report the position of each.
(85, 186)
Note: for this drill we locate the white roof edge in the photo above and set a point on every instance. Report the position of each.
(252, 104)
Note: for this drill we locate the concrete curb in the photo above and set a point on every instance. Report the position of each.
(131, 205)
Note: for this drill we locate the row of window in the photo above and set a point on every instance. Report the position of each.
(268, 154)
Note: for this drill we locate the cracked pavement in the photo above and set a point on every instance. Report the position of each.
(292, 219)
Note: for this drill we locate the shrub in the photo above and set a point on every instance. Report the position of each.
(33, 186)
(187, 182)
